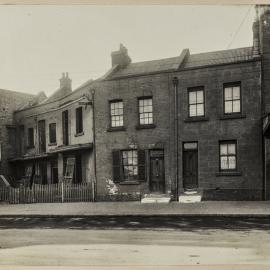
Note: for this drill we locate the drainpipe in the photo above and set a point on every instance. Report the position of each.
(175, 85)
(94, 146)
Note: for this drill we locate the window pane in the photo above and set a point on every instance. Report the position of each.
(236, 92)
(236, 106)
(228, 106)
(200, 109)
(232, 162)
(192, 110)
(200, 96)
(228, 93)
(192, 97)
(224, 163)
(223, 149)
(231, 149)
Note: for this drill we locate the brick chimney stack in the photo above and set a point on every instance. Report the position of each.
(65, 81)
(120, 57)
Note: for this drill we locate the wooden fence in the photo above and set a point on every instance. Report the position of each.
(47, 193)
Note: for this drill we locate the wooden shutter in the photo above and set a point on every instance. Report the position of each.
(141, 165)
(116, 154)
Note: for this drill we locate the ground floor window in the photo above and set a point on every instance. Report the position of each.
(227, 155)
(54, 171)
(129, 165)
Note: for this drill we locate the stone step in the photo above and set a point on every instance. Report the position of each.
(190, 197)
(156, 199)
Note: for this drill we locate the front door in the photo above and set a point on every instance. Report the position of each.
(157, 179)
(190, 166)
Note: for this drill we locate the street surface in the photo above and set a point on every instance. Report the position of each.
(123, 241)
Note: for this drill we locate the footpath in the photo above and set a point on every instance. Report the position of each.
(210, 208)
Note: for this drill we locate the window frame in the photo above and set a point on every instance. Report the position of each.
(138, 106)
(232, 84)
(79, 122)
(50, 137)
(235, 155)
(110, 114)
(196, 89)
(134, 178)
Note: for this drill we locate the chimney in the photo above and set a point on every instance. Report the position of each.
(65, 81)
(120, 57)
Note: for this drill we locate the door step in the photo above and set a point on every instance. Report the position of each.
(190, 197)
(156, 198)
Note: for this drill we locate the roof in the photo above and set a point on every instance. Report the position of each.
(219, 57)
(184, 61)
(154, 66)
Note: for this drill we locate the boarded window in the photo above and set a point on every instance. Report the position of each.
(52, 132)
(30, 134)
(196, 102)
(79, 120)
(116, 111)
(146, 111)
(228, 155)
(232, 99)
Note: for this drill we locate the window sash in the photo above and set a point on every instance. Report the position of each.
(30, 134)
(79, 120)
(232, 99)
(117, 113)
(196, 103)
(146, 111)
(129, 164)
(52, 132)
(228, 156)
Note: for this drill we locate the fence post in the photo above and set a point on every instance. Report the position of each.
(62, 189)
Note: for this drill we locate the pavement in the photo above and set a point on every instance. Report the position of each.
(208, 208)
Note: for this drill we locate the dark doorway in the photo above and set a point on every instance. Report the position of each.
(41, 136)
(190, 165)
(65, 127)
(54, 171)
(157, 175)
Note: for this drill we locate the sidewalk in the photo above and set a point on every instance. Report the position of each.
(215, 208)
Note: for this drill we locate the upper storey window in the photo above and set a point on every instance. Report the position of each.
(116, 112)
(232, 98)
(196, 102)
(146, 111)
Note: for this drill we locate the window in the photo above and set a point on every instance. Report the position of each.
(79, 120)
(65, 127)
(11, 133)
(196, 102)
(116, 110)
(146, 111)
(30, 137)
(130, 164)
(232, 99)
(52, 132)
(228, 157)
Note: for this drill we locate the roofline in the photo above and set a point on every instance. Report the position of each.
(18, 92)
(43, 104)
(182, 69)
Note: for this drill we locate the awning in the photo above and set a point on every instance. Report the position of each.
(30, 157)
(74, 147)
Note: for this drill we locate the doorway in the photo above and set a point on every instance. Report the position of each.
(190, 165)
(157, 173)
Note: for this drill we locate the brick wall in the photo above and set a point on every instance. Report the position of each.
(9, 102)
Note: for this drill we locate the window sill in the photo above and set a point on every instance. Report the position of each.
(79, 134)
(227, 173)
(129, 182)
(196, 119)
(232, 116)
(111, 129)
(149, 126)
(52, 144)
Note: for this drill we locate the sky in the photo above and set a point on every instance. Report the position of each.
(38, 43)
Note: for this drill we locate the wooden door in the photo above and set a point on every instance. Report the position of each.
(157, 175)
(190, 169)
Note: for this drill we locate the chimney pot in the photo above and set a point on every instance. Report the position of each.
(121, 57)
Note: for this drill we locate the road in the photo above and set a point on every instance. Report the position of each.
(123, 241)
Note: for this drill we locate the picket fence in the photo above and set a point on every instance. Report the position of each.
(54, 193)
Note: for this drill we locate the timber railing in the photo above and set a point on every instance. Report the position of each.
(53, 193)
